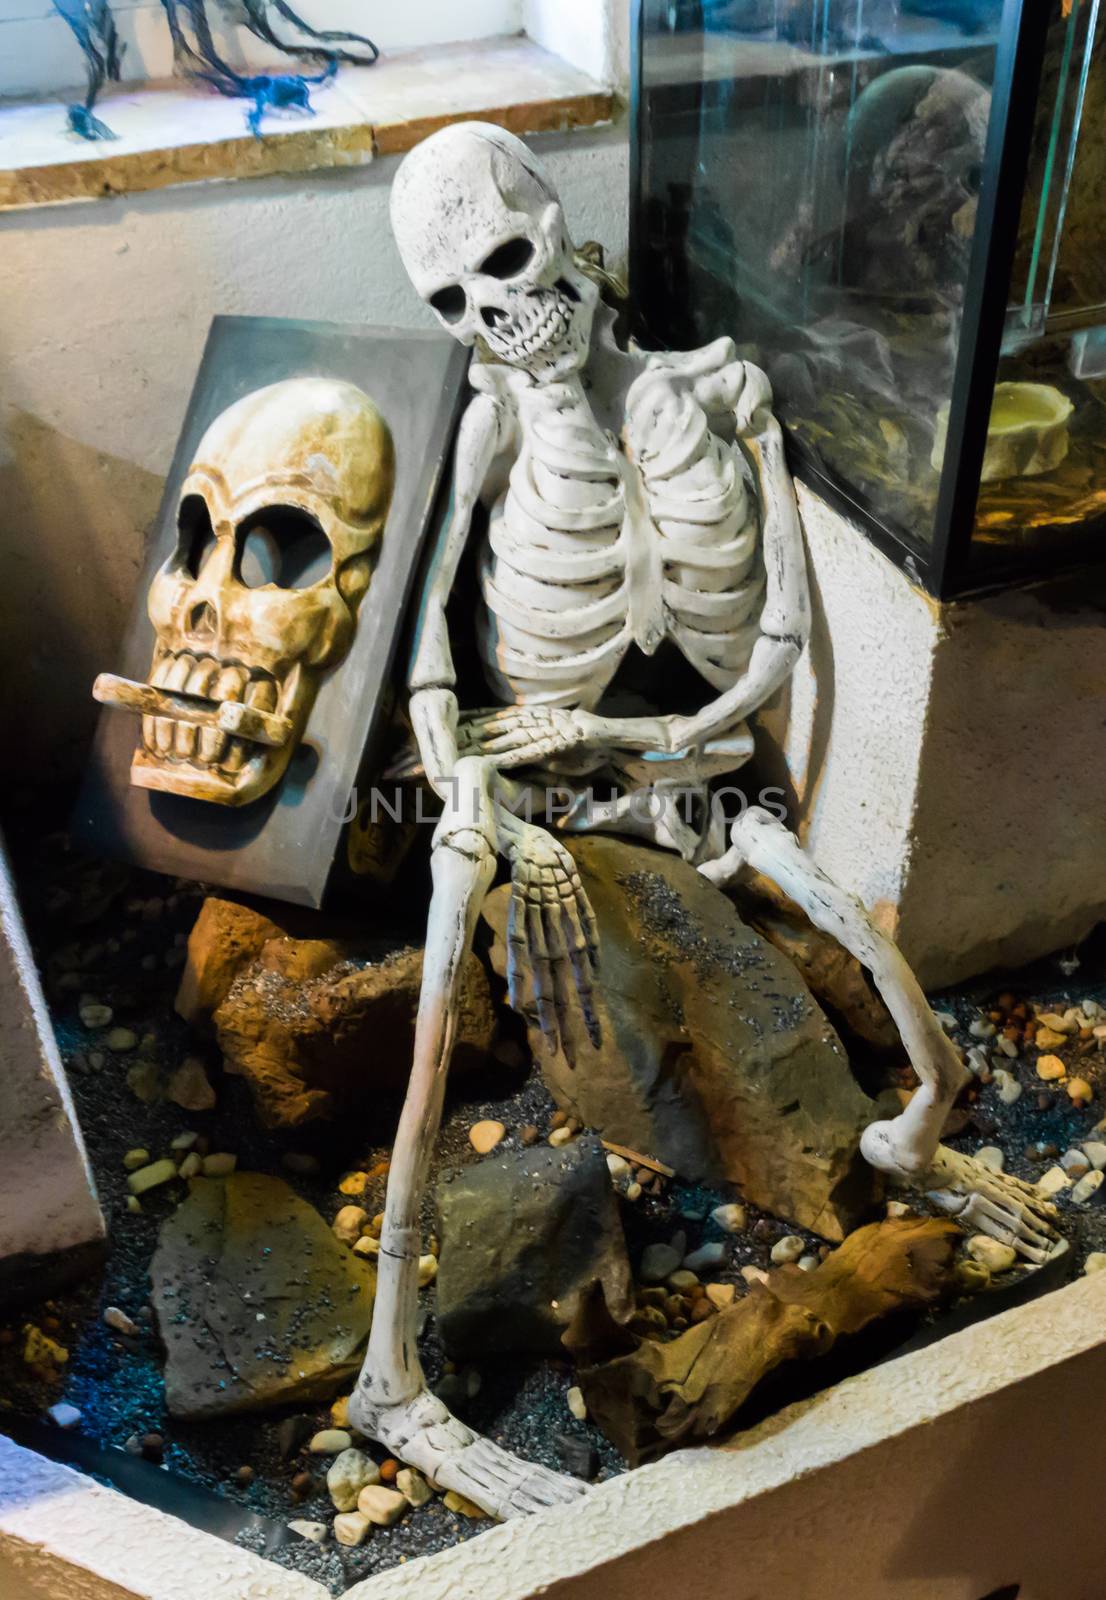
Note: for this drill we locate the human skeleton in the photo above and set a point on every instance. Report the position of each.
(628, 518)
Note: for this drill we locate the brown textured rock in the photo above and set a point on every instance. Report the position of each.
(691, 1388)
(224, 938)
(319, 1025)
(257, 1302)
(715, 1058)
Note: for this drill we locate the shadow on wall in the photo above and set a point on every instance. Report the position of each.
(73, 523)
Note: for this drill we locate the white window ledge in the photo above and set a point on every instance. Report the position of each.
(172, 133)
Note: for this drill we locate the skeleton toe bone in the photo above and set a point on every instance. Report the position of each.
(425, 1434)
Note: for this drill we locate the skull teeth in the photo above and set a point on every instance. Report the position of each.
(171, 740)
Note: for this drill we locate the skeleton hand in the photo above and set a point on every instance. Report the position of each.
(518, 736)
(551, 929)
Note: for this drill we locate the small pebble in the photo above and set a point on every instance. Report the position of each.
(972, 1276)
(428, 1270)
(95, 1015)
(979, 1062)
(574, 1399)
(1049, 1039)
(1053, 1181)
(351, 1527)
(63, 1415)
(1058, 1023)
(188, 1086)
(349, 1473)
(1051, 1068)
(1008, 1047)
(348, 1223)
(754, 1275)
(366, 1246)
(317, 1532)
(303, 1485)
(152, 1446)
(658, 1262)
(192, 1165)
(980, 1028)
(219, 1165)
(339, 1412)
(560, 1136)
(1095, 1152)
(184, 1141)
(1009, 1089)
(1075, 1163)
(682, 1281)
(720, 1295)
(789, 1248)
(528, 1134)
(1095, 1262)
(1086, 1189)
(1080, 1091)
(995, 1256)
(330, 1442)
(991, 1157)
(244, 1476)
(808, 1263)
(151, 1177)
(947, 1021)
(706, 1257)
(119, 1320)
(413, 1487)
(135, 1159)
(134, 1205)
(633, 1190)
(617, 1166)
(897, 1209)
(730, 1218)
(121, 1039)
(484, 1136)
(382, 1506)
(463, 1506)
(389, 1470)
(354, 1183)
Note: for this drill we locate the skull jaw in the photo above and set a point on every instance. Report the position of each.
(252, 780)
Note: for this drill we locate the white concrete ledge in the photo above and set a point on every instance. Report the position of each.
(942, 1475)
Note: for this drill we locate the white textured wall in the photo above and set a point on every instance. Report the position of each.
(102, 321)
(47, 1201)
(923, 749)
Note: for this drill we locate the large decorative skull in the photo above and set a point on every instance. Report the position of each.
(279, 523)
(482, 236)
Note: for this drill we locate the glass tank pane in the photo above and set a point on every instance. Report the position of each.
(1044, 470)
(810, 171)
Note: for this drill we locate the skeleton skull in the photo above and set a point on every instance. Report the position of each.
(482, 236)
(279, 523)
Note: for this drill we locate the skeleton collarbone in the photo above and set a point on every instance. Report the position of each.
(600, 545)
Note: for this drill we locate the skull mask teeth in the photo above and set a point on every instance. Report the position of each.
(279, 522)
(483, 239)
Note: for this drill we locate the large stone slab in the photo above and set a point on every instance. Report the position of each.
(715, 1058)
(526, 1239)
(317, 1026)
(257, 1303)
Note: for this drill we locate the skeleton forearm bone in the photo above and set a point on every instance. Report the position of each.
(484, 431)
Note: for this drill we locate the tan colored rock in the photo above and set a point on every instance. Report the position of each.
(381, 1505)
(720, 1295)
(348, 1223)
(225, 937)
(714, 1058)
(320, 1027)
(1051, 1068)
(189, 1087)
(351, 1527)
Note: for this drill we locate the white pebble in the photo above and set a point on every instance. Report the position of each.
(63, 1415)
(1086, 1189)
(789, 1248)
(991, 1157)
(979, 1062)
(413, 1487)
(1053, 1181)
(1075, 1163)
(330, 1442)
(1095, 1262)
(898, 1208)
(754, 1275)
(617, 1166)
(560, 1136)
(317, 1532)
(808, 1263)
(119, 1320)
(1095, 1152)
(1009, 1047)
(349, 1473)
(1009, 1089)
(351, 1527)
(348, 1223)
(996, 1257)
(576, 1403)
(731, 1218)
(980, 1028)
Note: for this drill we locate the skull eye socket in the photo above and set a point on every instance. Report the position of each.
(449, 302)
(508, 260)
(282, 545)
(195, 535)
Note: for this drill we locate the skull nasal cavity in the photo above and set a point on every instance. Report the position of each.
(492, 316)
(202, 621)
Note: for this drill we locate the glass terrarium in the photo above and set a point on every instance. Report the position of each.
(896, 207)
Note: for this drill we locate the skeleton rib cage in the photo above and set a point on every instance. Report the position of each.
(590, 549)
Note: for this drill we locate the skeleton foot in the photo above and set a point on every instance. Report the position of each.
(422, 1432)
(978, 1198)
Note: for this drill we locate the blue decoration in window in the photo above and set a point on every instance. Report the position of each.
(94, 27)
